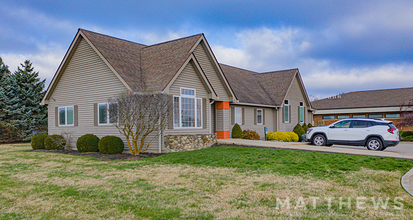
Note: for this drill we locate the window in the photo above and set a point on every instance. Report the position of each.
(187, 110)
(342, 124)
(361, 124)
(328, 117)
(301, 112)
(343, 116)
(286, 112)
(359, 116)
(103, 114)
(392, 115)
(238, 115)
(375, 115)
(66, 115)
(259, 116)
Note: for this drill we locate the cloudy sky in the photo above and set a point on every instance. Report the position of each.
(338, 46)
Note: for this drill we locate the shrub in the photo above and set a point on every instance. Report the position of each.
(305, 127)
(236, 131)
(408, 138)
(251, 135)
(87, 143)
(54, 142)
(298, 129)
(38, 141)
(310, 125)
(111, 145)
(407, 133)
(293, 136)
(278, 136)
(8, 133)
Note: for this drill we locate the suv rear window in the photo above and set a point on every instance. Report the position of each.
(391, 126)
(379, 123)
(361, 124)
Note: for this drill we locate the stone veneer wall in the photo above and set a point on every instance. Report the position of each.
(184, 142)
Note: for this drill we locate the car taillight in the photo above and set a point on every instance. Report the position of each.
(390, 130)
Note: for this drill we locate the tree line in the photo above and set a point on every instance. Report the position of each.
(21, 115)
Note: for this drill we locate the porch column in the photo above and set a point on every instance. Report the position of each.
(222, 119)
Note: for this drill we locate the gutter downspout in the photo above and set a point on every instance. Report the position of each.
(210, 116)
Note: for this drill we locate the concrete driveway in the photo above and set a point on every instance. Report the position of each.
(403, 150)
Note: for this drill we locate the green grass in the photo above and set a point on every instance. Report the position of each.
(285, 162)
(217, 182)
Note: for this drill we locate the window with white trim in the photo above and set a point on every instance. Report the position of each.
(301, 112)
(187, 109)
(238, 115)
(286, 112)
(259, 116)
(66, 116)
(104, 116)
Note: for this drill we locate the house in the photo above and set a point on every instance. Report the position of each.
(383, 103)
(214, 96)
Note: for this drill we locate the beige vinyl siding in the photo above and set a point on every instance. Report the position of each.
(189, 78)
(249, 119)
(294, 96)
(211, 72)
(86, 80)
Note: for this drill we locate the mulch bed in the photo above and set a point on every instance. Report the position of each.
(103, 156)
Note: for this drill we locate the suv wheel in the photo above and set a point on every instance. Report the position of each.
(319, 140)
(374, 144)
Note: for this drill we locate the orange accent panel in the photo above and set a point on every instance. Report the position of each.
(221, 105)
(223, 134)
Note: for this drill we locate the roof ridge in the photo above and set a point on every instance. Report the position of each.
(237, 68)
(279, 71)
(112, 37)
(169, 41)
(372, 90)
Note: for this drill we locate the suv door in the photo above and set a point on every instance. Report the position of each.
(338, 133)
(358, 132)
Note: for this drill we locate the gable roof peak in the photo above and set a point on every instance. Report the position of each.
(171, 41)
(105, 35)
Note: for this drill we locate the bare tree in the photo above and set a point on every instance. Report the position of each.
(139, 114)
(406, 114)
(313, 98)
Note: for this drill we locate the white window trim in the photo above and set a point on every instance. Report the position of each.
(189, 96)
(287, 120)
(299, 117)
(107, 114)
(262, 117)
(58, 118)
(195, 115)
(235, 115)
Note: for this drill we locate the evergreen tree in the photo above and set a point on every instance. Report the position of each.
(4, 71)
(20, 102)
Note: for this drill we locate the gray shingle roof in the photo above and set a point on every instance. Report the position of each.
(141, 66)
(152, 67)
(268, 88)
(366, 99)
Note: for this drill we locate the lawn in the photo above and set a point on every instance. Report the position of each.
(217, 182)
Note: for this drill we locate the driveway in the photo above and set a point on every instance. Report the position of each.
(403, 150)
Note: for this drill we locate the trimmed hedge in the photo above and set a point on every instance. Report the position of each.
(111, 145)
(282, 136)
(87, 143)
(251, 135)
(305, 127)
(408, 138)
(54, 142)
(38, 141)
(236, 131)
(310, 125)
(407, 133)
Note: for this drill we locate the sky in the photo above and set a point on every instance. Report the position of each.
(338, 46)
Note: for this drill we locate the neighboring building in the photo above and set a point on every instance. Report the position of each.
(212, 96)
(362, 104)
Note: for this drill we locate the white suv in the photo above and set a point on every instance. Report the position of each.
(375, 134)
